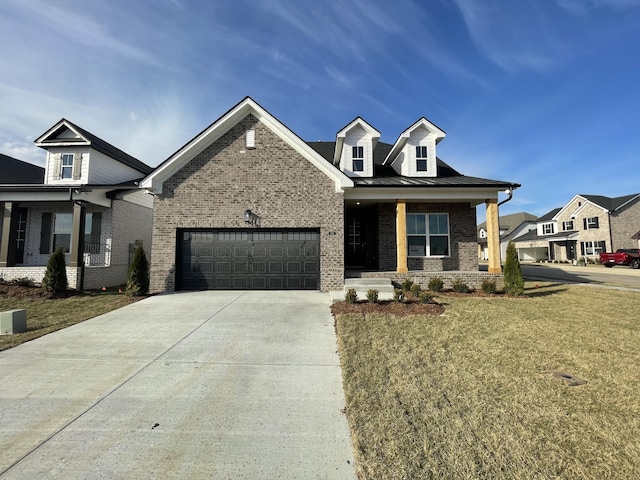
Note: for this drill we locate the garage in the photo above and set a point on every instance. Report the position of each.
(248, 259)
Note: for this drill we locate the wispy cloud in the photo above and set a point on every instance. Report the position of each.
(514, 36)
(584, 7)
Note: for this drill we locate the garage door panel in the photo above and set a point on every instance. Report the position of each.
(252, 259)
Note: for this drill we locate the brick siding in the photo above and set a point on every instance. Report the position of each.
(273, 180)
(463, 238)
(624, 225)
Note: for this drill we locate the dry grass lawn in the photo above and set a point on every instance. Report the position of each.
(46, 315)
(471, 393)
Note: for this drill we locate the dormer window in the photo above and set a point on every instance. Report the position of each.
(357, 159)
(421, 158)
(67, 166)
(547, 228)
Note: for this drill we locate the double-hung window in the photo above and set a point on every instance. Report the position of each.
(62, 231)
(67, 166)
(421, 159)
(591, 223)
(357, 159)
(567, 225)
(428, 234)
(592, 248)
(547, 228)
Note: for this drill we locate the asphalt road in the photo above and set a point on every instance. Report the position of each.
(596, 274)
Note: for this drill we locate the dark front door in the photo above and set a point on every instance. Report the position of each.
(571, 249)
(248, 259)
(361, 238)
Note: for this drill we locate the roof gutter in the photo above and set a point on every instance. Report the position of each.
(508, 191)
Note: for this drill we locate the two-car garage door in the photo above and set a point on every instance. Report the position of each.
(255, 259)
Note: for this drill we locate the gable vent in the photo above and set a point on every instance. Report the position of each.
(250, 138)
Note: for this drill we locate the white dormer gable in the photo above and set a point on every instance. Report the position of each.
(355, 144)
(414, 153)
(77, 157)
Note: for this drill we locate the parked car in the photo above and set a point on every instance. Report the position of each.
(622, 256)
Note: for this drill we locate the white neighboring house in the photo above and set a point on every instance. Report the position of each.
(511, 226)
(89, 204)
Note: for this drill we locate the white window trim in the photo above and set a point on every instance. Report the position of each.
(419, 157)
(355, 155)
(550, 226)
(427, 235)
(593, 223)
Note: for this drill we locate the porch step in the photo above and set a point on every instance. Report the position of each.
(363, 285)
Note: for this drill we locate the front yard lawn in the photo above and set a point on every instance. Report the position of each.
(478, 391)
(46, 315)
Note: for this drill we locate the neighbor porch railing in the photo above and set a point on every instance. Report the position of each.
(97, 254)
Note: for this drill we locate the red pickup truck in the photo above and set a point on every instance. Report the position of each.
(622, 256)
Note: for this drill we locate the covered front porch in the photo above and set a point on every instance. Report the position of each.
(419, 239)
(35, 222)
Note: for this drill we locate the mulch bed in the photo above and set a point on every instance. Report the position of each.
(18, 291)
(411, 306)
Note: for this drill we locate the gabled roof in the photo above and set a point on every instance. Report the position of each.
(341, 135)
(14, 171)
(611, 203)
(53, 138)
(386, 176)
(404, 137)
(511, 221)
(549, 215)
(222, 125)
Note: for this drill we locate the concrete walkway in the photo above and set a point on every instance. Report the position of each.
(202, 385)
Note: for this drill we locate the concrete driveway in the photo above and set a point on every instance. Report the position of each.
(209, 385)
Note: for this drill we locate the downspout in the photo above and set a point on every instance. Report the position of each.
(508, 191)
(610, 231)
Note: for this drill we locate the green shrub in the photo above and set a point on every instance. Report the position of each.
(398, 295)
(372, 295)
(415, 289)
(406, 285)
(351, 296)
(459, 286)
(436, 284)
(55, 277)
(513, 281)
(23, 282)
(425, 297)
(138, 283)
(488, 286)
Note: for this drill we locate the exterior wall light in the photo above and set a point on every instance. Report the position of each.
(251, 218)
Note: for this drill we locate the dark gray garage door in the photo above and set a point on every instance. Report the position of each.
(255, 259)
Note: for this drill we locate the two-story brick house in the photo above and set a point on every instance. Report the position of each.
(248, 204)
(585, 227)
(88, 202)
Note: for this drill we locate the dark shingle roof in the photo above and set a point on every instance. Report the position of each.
(548, 215)
(13, 171)
(386, 176)
(610, 203)
(106, 148)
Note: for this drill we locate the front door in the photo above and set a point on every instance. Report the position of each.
(18, 234)
(361, 238)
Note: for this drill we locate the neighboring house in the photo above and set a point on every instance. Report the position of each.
(585, 227)
(87, 202)
(17, 171)
(511, 227)
(247, 204)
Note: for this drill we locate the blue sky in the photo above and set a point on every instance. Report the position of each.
(545, 93)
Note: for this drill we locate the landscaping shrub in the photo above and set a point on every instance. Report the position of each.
(415, 289)
(351, 296)
(23, 282)
(407, 284)
(372, 295)
(55, 277)
(513, 281)
(398, 295)
(138, 283)
(489, 286)
(425, 297)
(436, 284)
(459, 286)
